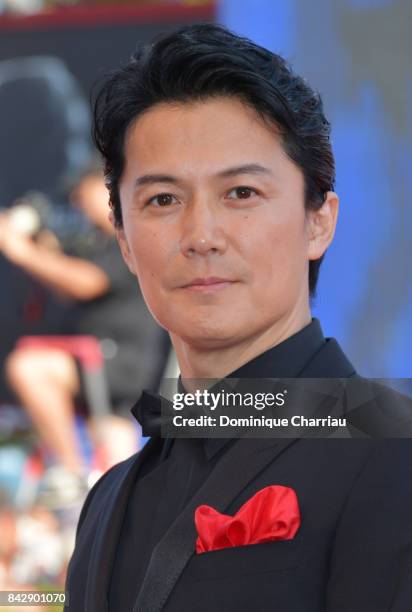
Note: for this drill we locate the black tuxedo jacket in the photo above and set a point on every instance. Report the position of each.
(352, 553)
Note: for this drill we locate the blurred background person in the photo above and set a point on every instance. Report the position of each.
(46, 377)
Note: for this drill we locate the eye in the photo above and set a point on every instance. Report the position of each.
(162, 200)
(242, 193)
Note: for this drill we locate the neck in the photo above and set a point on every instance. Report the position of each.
(196, 362)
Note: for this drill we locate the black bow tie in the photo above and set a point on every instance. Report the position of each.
(148, 412)
(153, 410)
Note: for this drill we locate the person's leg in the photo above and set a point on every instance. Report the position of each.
(46, 382)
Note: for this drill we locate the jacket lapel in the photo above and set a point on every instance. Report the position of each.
(107, 535)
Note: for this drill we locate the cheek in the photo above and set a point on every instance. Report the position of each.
(278, 253)
(148, 266)
(150, 257)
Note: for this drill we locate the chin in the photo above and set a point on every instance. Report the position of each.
(210, 336)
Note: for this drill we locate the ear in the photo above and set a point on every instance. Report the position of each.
(321, 225)
(123, 244)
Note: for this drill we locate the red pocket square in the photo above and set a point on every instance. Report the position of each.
(271, 514)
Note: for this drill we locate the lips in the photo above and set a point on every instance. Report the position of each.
(211, 284)
(211, 280)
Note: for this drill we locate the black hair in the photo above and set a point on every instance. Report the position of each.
(201, 61)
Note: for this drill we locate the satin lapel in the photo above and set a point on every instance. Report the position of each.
(238, 466)
(107, 535)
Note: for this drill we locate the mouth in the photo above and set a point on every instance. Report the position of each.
(210, 284)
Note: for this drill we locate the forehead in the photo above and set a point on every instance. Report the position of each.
(205, 134)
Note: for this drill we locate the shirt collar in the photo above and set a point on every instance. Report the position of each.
(285, 360)
(288, 358)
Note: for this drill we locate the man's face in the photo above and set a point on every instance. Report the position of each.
(208, 193)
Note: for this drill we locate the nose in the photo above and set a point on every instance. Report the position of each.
(202, 230)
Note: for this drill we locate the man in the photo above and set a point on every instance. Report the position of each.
(221, 176)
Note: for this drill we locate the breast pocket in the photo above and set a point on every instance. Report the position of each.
(241, 561)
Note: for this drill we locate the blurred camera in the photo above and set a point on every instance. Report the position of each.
(55, 224)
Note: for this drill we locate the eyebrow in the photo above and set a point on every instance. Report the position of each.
(150, 179)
